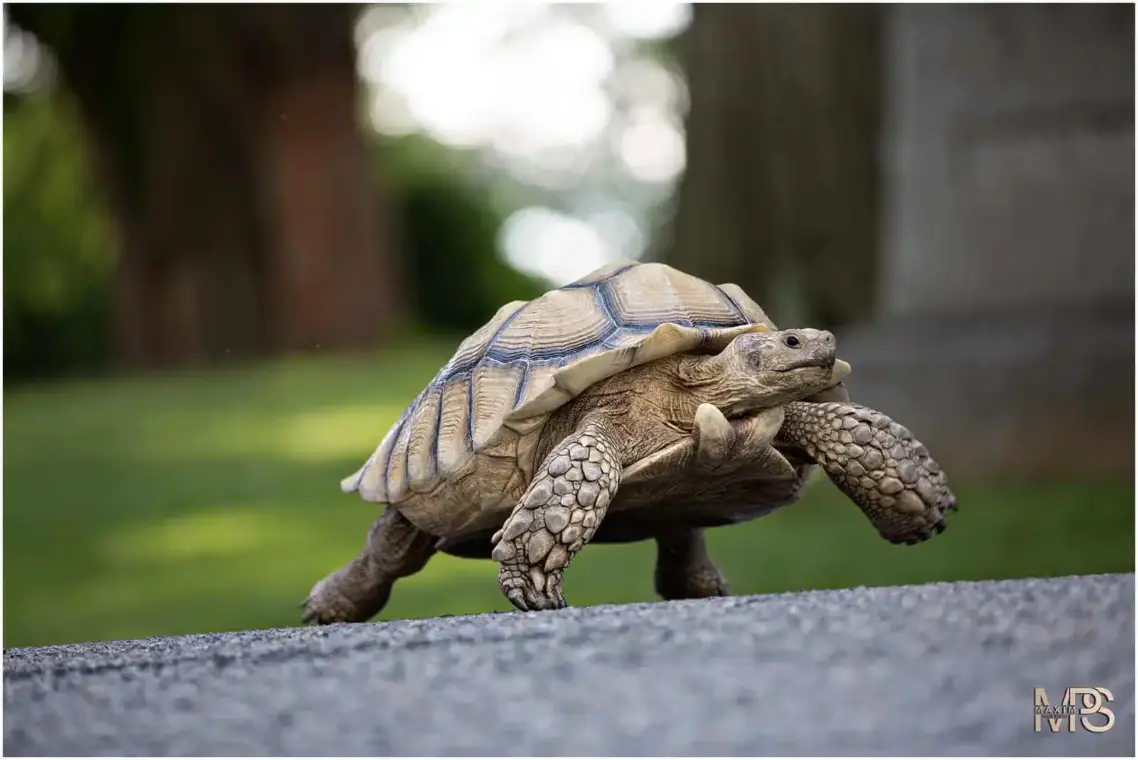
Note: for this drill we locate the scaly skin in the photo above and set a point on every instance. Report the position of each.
(556, 517)
(358, 591)
(877, 463)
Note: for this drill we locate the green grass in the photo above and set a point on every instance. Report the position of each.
(210, 501)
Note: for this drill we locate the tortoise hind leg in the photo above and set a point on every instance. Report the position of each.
(684, 568)
(556, 516)
(359, 590)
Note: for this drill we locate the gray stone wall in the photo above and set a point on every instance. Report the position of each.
(1005, 337)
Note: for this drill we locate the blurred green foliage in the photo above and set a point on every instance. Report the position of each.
(59, 247)
(450, 234)
(210, 501)
(59, 244)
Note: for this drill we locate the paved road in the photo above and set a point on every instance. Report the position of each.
(936, 669)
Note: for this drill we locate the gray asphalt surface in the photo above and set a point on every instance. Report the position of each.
(935, 669)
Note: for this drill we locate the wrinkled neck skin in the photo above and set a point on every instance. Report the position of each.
(710, 379)
(725, 381)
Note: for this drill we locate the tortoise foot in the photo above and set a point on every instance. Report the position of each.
(696, 583)
(684, 569)
(532, 590)
(345, 597)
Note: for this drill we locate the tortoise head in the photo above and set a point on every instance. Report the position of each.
(764, 369)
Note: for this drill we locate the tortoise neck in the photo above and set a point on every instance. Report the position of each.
(708, 378)
(696, 371)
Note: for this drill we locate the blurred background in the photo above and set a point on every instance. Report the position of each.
(239, 239)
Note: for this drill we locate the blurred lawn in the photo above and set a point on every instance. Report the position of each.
(210, 501)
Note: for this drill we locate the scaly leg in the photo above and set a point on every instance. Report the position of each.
(877, 463)
(684, 569)
(358, 591)
(556, 517)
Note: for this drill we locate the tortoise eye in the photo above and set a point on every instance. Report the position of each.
(792, 341)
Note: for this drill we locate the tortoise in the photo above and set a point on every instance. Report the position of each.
(638, 402)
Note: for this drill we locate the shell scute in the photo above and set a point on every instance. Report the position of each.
(663, 296)
(422, 439)
(473, 349)
(494, 387)
(398, 484)
(560, 325)
(453, 445)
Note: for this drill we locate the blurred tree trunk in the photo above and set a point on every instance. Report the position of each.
(781, 191)
(228, 141)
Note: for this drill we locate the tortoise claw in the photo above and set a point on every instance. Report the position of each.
(516, 599)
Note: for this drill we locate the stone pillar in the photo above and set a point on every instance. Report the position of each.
(1005, 337)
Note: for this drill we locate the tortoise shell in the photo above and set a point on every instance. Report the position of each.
(492, 398)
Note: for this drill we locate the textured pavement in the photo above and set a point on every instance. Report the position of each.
(936, 669)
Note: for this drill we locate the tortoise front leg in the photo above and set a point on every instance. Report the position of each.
(877, 463)
(358, 591)
(556, 516)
